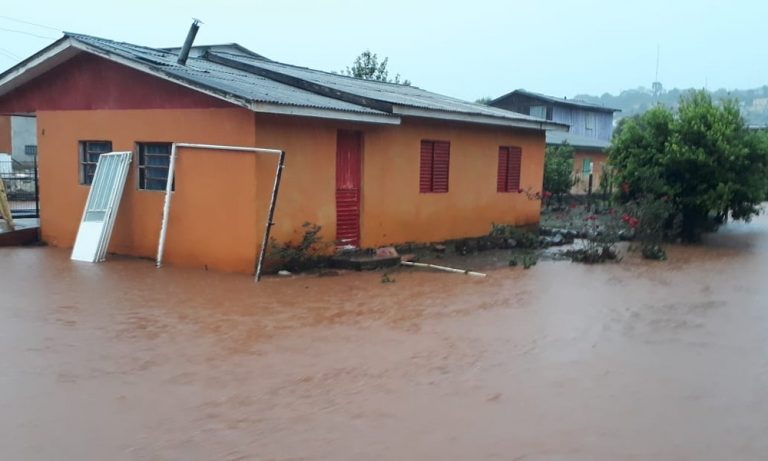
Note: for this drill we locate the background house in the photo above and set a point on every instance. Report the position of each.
(18, 138)
(590, 129)
(373, 163)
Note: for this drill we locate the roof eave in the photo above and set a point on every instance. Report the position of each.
(581, 146)
(242, 102)
(553, 100)
(542, 125)
(279, 109)
(52, 55)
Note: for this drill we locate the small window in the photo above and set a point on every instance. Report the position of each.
(30, 149)
(89, 156)
(435, 159)
(538, 111)
(589, 123)
(510, 162)
(154, 159)
(586, 166)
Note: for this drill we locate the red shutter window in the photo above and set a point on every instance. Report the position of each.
(434, 167)
(441, 160)
(501, 177)
(425, 170)
(508, 176)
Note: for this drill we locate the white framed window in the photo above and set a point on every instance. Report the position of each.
(89, 156)
(538, 111)
(589, 123)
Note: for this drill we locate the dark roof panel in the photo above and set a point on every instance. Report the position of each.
(391, 93)
(551, 99)
(221, 78)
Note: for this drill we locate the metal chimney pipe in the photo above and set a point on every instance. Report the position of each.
(184, 53)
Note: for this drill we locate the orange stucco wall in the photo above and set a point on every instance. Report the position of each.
(220, 202)
(392, 209)
(395, 211)
(5, 134)
(213, 217)
(582, 181)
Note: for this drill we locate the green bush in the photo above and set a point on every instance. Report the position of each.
(593, 254)
(308, 253)
(655, 252)
(702, 158)
(524, 238)
(529, 261)
(653, 221)
(558, 172)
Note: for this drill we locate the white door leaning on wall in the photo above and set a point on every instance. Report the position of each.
(101, 207)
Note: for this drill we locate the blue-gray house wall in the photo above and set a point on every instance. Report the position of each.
(577, 119)
(573, 113)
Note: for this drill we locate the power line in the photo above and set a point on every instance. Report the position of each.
(6, 57)
(27, 33)
(29, 23)
(9, 54)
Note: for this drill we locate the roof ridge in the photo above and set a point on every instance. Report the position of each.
(272, 61)
(76, 35)
(564, 100)
(467, 106)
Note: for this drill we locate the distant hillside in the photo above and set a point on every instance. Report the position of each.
(754, 103)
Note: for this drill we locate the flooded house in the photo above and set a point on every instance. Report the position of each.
(373, 163)
(590, 128)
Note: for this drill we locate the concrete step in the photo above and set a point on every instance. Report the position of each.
(27, 231)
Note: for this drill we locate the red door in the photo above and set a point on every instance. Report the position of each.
(348, 171)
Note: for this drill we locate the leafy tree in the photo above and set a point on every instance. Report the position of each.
(636, 101)
(701, 158)
(558, 171)
(368, 67)
(485, 100)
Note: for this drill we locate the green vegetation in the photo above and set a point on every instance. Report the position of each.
(654, 222)
(309, 252)
(592, 254)
(387, 279)
(558, 172)
(368, 67)
(701, 159)
(506, 233)
(527, 260)
(752, 103)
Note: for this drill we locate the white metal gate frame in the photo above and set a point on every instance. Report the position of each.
(169, 185)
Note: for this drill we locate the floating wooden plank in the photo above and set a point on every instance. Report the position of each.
(442, 268)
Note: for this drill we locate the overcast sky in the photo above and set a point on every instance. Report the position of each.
(466, 49)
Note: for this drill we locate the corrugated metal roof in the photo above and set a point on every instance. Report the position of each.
(392, 93)
(234, 48)
(221, 78)
(558, 137)
(555, 100)
(262, 85)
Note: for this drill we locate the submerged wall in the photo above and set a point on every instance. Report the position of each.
(220, 202)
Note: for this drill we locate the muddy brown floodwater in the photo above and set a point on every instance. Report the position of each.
(631, 361)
